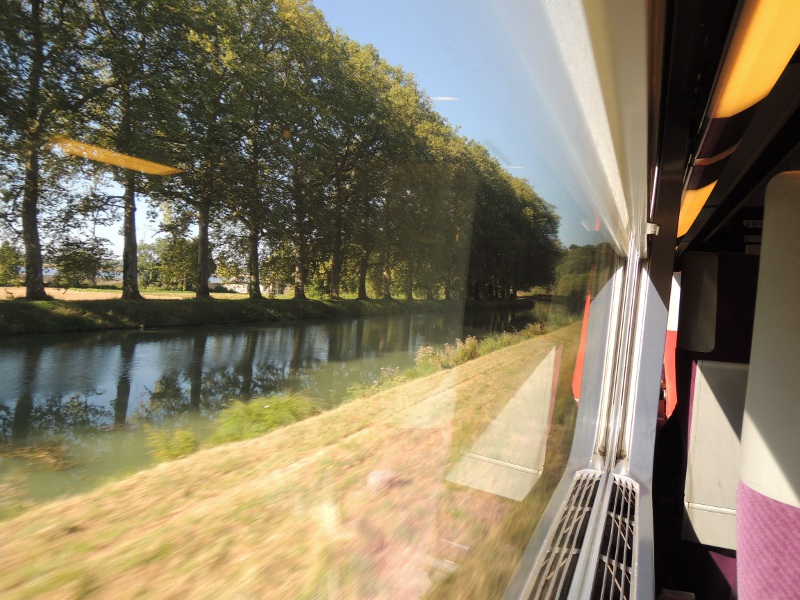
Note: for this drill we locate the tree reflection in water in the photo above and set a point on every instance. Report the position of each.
(127, 347)
(90, 392)
(21, 420)
(55, 415)
(165, 374)
(60, 416)
(176, 394)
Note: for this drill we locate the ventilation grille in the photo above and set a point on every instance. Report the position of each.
(612, 580)
(557, 566)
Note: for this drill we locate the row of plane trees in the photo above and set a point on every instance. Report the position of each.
(297, 148)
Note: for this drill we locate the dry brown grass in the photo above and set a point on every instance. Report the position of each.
(290, 514)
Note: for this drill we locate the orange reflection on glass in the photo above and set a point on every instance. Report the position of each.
(110, 157)
(692, 204)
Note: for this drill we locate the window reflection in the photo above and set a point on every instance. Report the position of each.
(419, 478)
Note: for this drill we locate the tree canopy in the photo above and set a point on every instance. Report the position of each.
(302, 156)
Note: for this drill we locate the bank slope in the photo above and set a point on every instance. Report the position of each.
(351, 502)
(59, 316)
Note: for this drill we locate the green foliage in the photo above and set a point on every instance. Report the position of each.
(515, 242)
(238, 421)
(335, 166)
(448, 356)
(431, 358)
(169, 263)
(81, 262)
(230, 259)
(169, 444)
(574, 269)
(244, 420)
(11, 263)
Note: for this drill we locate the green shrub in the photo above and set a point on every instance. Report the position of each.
(168, 444)
(427, 357)
(430, 359)
(241, 420)
(11, 263)
(81, 262)
(449, 356)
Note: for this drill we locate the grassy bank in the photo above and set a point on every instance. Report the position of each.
(352, 502)
(57, 316)
(244, 420)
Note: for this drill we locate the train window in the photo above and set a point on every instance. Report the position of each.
(431, 186)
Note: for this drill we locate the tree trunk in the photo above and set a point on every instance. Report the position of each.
(387, 279)
(363, 265)
(203, 252)
(130, 261)
(410, 281)
(336, 270)
(254, 280)
(299, 271)
(130, 267)
(336, 257)
(34, 280)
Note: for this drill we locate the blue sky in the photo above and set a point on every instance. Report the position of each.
(473, 50)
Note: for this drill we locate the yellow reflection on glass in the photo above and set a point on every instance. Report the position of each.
(110, 157)
(693, 201)
(765, 40)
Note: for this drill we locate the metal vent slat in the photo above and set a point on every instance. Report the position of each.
(615, 561)
(558, 564)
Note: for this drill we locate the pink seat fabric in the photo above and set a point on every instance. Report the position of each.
(768, 557)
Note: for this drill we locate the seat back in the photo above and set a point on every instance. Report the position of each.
(713, 349)
(768, 506)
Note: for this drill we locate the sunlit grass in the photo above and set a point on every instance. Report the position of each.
(292, 513)
(502, 542)
(168, 444)
(245, 420)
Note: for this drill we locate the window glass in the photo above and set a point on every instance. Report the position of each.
(392, 218)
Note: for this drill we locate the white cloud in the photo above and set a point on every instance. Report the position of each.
(445, 98)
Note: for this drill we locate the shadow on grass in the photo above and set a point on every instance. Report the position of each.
(58, 316)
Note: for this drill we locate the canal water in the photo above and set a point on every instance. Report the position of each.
(75, 409)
